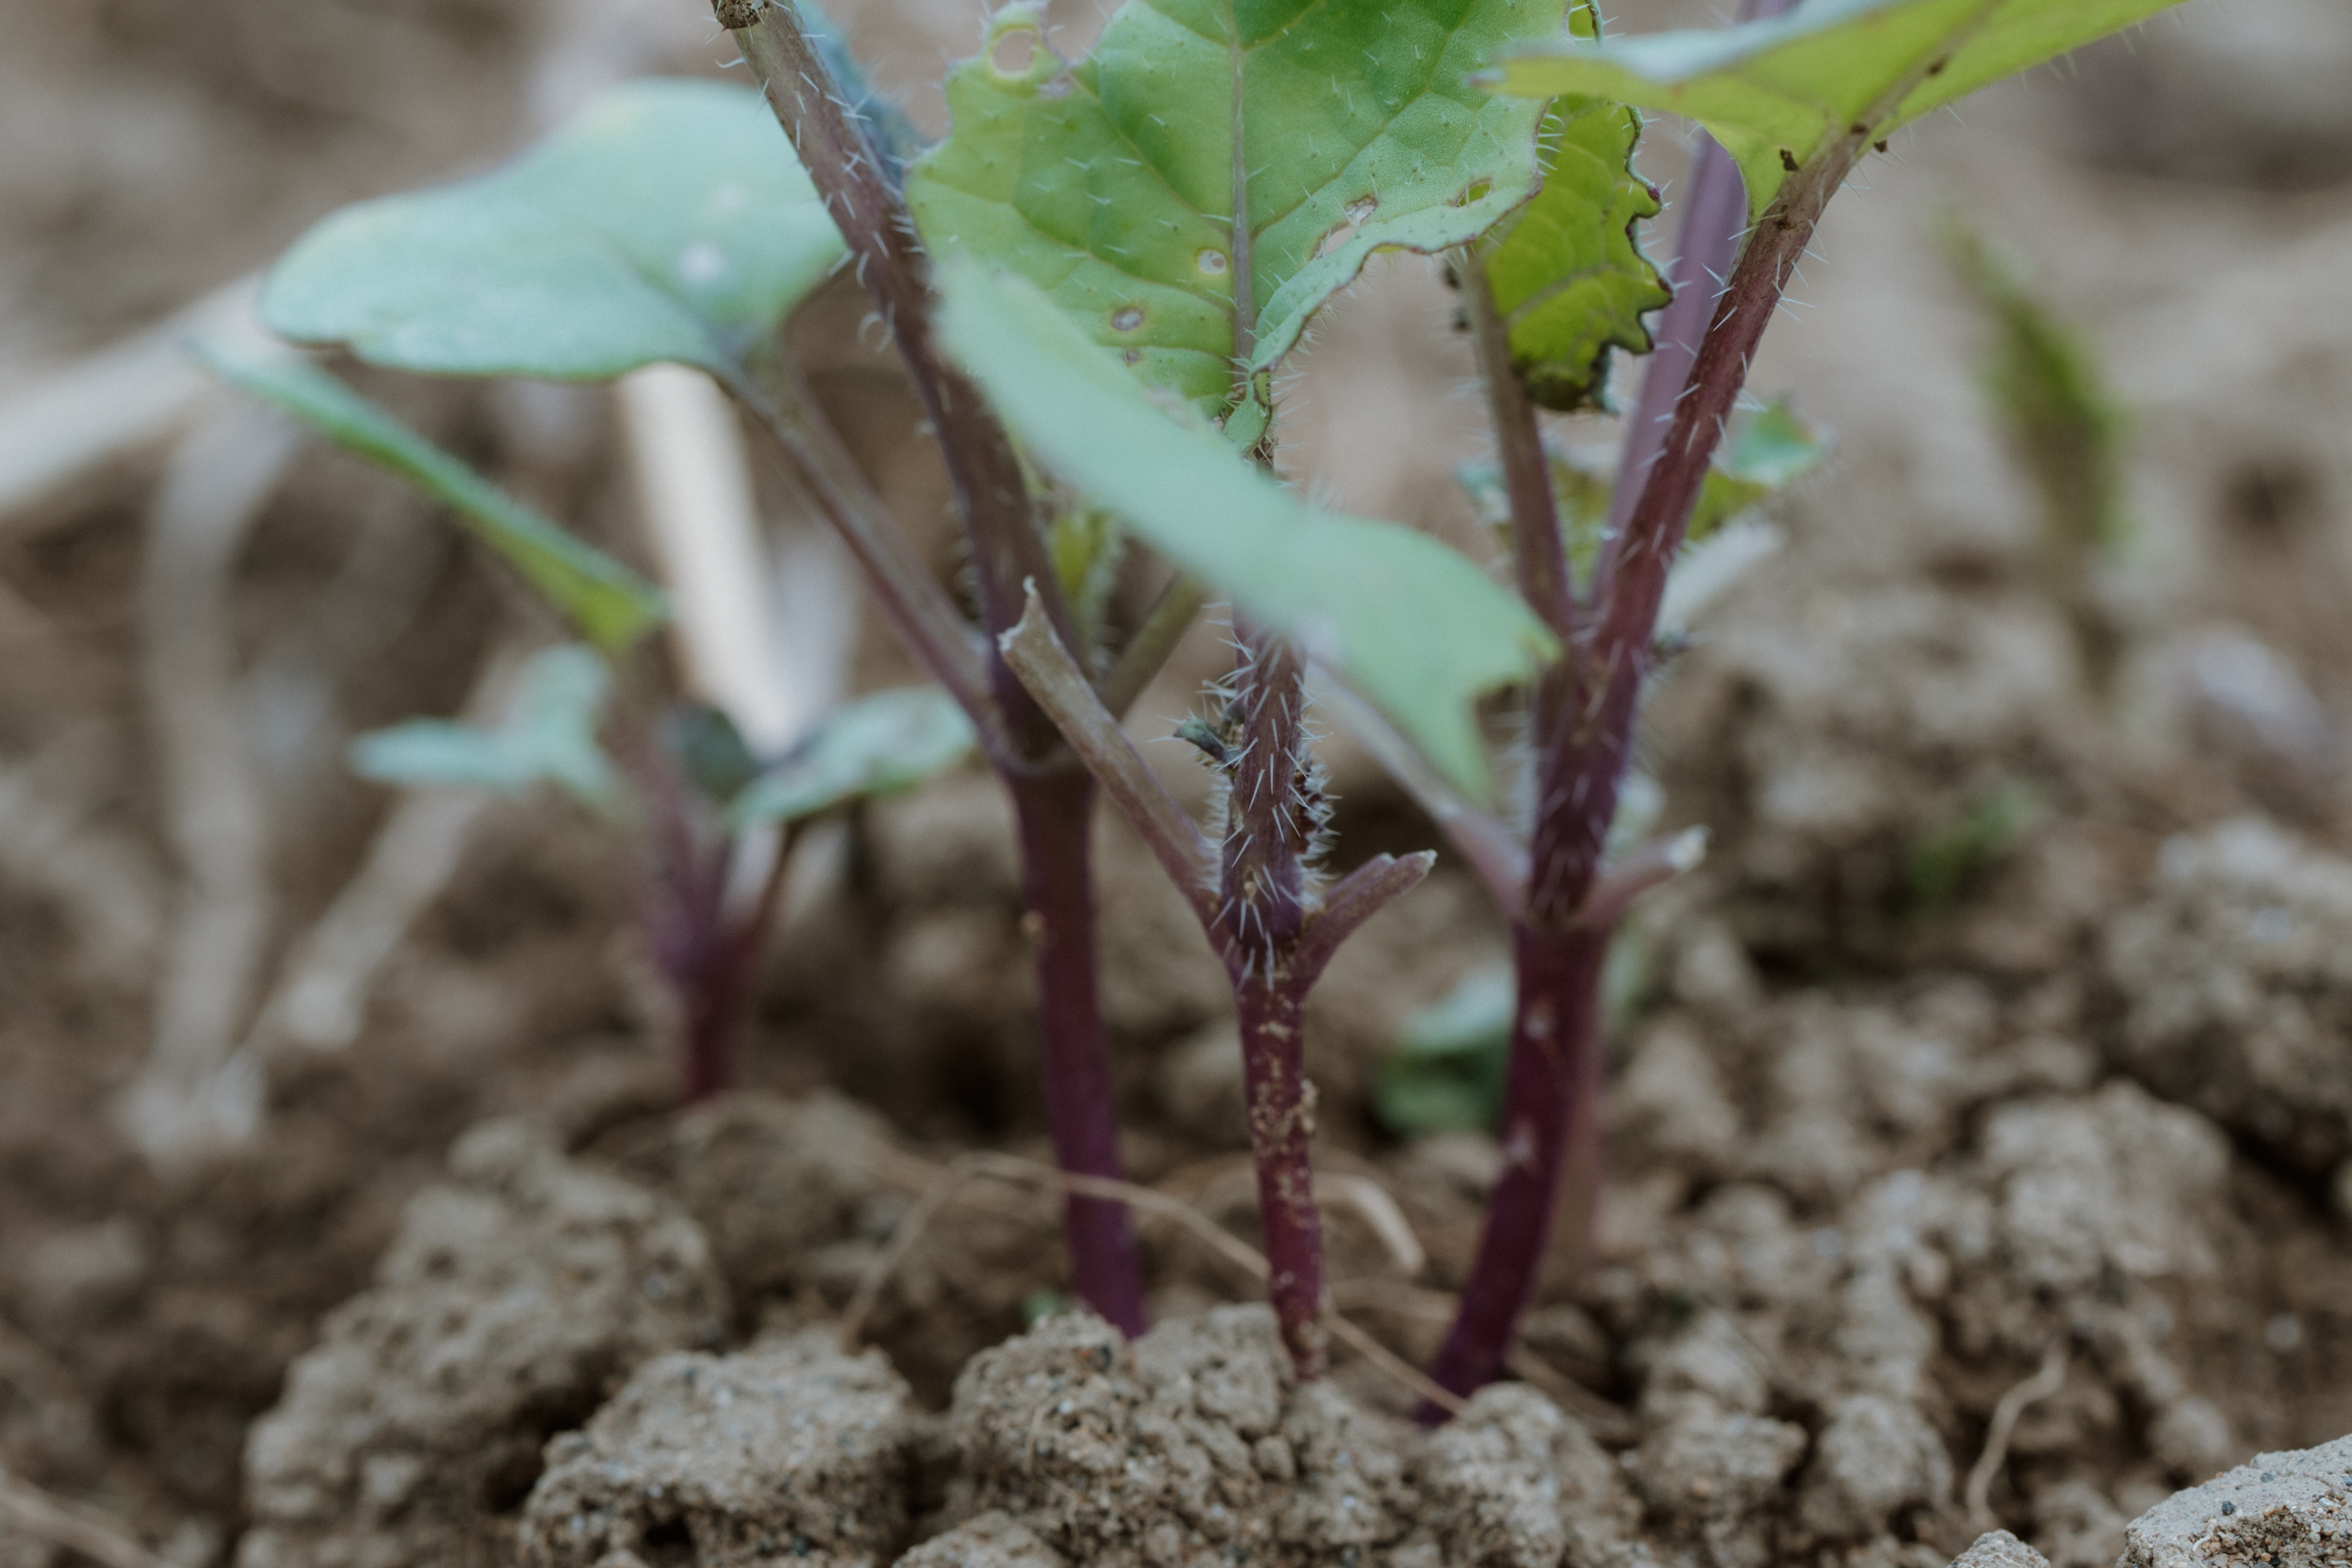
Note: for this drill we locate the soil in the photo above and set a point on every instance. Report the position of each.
(1885, 1148)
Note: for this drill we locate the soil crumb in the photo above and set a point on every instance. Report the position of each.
(2281, 1510)
(792, 1452)
(1195, 1446)
(518, 1296)
(2238, 974)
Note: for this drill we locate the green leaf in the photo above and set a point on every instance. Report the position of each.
(1767, 450)
(1086, 547)
(1418, 630)
(549, 737)
(710, 751)
(668, 221)
(1445, 1072)
(1113, 183)
(891, 741)
(1946, 861)
(610, 604)
(2064, 423)
(1774, 92)
(1567, 276)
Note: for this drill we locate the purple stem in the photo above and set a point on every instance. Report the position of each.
(1054, 812)
(1551, 1096)
(1274, 946)
(1552, 1089)
(1282, 1122)
(1052, 799)
(714, 1009)
(1269, 823)
(1713, 216)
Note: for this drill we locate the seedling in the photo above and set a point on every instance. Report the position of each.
(685, 782)
(1094, 282)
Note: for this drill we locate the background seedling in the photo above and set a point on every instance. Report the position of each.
(685, 781)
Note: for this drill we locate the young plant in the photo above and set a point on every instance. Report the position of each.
(690, 789)
(1793, 104)
(1108, 261)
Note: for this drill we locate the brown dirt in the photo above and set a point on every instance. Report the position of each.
(1875, 1156)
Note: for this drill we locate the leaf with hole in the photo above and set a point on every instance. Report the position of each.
(610, 604)
(548, 736)
(1332, 130)
(1417, 629)
(1774, 92)
(1568, 278)
(668, 221)
(891, 741)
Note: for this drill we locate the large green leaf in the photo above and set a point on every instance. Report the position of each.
(610, 604)
(668, 221)
(549, 737)
(1774, 91)
(1567, 276)
(877, 744)
(1415, 628)
(1113, 184)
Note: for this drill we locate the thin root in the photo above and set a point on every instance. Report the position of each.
(2046, 1380)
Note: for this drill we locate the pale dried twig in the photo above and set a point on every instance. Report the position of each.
(64, 1524)
(945, 1183)
(2047, 1379)
(218, 480)
(322, 995)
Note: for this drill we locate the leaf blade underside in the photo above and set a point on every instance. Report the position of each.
(610, 604)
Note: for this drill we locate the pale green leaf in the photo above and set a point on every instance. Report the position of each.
(1445, 1072)
(548, 736)
(1415, 628)
(610, 604)
(669, 222)
(877, 744)
(1112, 183)
(1774, 92)
(1767, 451)
(2061, 416)
(1567, 276)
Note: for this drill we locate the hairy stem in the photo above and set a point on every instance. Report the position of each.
(1270, 820)
(1054, 814)
(1536, 549)
(867, 205)
(1051, 797)
(919, 612)
(1585, 762)
(1714, 211)
(1550, 1106)
(1282, 1122)
(1554, 1083)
